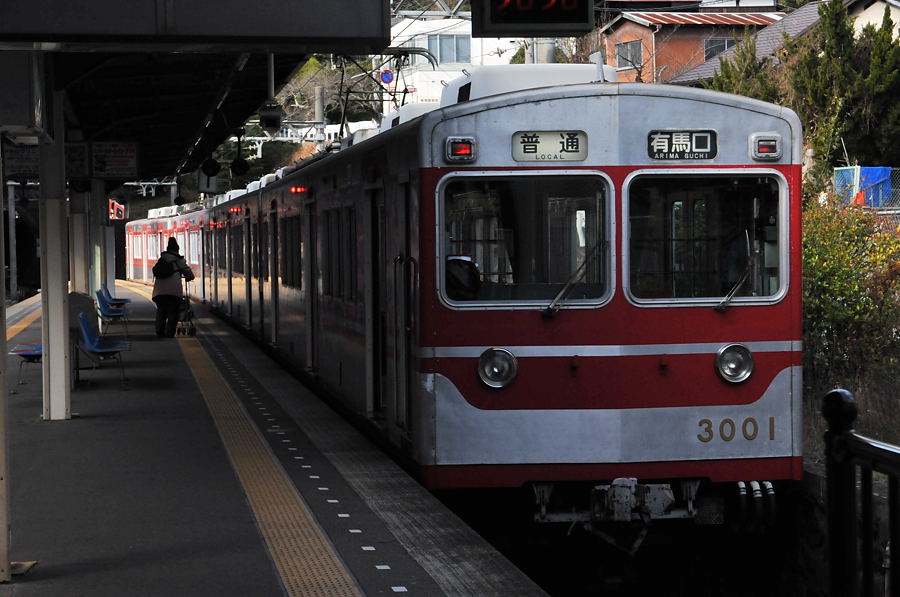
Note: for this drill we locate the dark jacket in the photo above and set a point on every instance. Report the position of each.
(171, 286)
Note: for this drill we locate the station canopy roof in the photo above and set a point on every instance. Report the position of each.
(177, 107)
(179, 78)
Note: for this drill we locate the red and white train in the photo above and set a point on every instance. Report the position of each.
(588, 287)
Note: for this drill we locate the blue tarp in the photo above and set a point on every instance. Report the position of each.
(876, 184)
(873, 182)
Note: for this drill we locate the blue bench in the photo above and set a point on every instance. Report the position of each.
(112, 300)
(30, 352)
(111, 314)
(99, 349)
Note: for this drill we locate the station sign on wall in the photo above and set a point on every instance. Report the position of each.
(105, 160)
(358, 26)
(114, 160)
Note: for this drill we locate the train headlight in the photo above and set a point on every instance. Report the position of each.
(497, 367)
(734, 363)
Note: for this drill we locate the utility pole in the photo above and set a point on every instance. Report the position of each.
(319, 117)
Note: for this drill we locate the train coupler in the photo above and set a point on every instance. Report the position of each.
(625, 500)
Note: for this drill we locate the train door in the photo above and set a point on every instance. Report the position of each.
(201, 259)
(253, 257)
(274, 269)
(221, 266)
(376, 300)
(311, 283)
(248, 276)
(263, 256)
(210, 258)
(401, 273)
(229, 263)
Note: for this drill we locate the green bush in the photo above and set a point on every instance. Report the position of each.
(851, 262)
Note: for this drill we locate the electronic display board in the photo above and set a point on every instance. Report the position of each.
(501, 18)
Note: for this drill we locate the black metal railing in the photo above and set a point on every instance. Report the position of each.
(851, 518)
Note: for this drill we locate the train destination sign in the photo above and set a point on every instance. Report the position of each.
(549, 146)
(682, 145)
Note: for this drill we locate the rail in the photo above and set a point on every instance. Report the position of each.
(851, 525)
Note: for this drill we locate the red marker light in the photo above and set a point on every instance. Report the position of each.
(234, 210)
(460, 149)
(766, 147)
(299, 189)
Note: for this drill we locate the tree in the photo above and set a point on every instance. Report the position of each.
(745, 74)
(820, 80)
(347, 88)
(275, 154)
(846, 90)
(876, 107)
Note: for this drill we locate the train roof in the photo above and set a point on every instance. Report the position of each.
(485, 81)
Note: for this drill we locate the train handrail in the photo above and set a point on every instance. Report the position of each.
(851, 542)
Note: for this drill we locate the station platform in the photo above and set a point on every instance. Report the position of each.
(214, 472)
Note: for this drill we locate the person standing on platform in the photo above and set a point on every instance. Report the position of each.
(167, 291)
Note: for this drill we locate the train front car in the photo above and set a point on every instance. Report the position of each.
(613, 312)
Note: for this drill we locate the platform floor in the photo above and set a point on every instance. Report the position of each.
(217, 473)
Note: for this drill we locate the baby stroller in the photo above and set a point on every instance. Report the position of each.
(185, 325)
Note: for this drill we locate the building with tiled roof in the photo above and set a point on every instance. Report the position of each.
(653, 47)
(768, 41)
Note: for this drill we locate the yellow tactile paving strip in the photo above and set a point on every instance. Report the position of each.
(303, 556)
(14, 330)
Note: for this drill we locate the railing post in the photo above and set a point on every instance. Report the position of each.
(839, 409)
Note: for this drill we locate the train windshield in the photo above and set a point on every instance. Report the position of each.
(708, 237)
(523, 238)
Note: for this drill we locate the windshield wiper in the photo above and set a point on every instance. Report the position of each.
(553, 308)
(727, 300)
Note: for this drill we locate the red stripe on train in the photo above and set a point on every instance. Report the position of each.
(515, 475)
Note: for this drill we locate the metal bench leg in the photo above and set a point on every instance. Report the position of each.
(19, 380)
(121, 369)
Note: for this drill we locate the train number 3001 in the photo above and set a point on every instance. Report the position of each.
(728, 429)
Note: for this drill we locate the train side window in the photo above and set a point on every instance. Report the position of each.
(522, 239)
(263, 255)
(348, 253)
(236, 242)
(297, 251)
(220, 247)
(340, 253)
(290, 241)
(698, 237)
(193, 246)
(283, 261)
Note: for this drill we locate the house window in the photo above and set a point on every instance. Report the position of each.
(450, 48)
(717, 45)
(629, 54)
